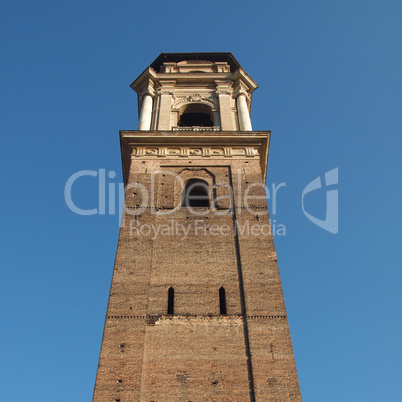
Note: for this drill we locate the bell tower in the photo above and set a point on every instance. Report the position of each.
(195, 310)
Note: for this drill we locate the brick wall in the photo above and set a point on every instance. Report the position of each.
(196, 354)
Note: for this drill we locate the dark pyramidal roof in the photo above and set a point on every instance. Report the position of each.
(215, 56)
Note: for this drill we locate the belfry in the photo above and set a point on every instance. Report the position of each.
(196, 310)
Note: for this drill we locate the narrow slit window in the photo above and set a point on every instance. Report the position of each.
(222, 301)
(170, 309)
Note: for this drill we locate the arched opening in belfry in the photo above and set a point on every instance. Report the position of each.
(170, 309)
(195, 115)
(222, 301)
(196, 193)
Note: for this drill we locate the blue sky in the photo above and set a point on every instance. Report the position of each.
(330, 92)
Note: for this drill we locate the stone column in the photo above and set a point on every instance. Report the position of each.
(244, 115)
(146, 113)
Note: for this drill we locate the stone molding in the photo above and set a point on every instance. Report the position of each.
(224, 87)
(164, 92)
(242, 89)
(195, 98)
(196, 128)
(195, 151)
(235, 140)
(223, 92)
(157, 317)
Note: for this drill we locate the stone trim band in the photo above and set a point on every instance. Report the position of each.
(196, 151)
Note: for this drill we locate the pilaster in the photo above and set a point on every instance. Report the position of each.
(224, 92)
(165, 93)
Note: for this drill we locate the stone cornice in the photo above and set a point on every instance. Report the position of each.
(246, 79)
(147, 74)
(150, 74)
(149, 80)
(130, 140)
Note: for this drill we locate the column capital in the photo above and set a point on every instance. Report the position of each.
(148, 89)
(241, 89)
(223, 87)
(166, 87)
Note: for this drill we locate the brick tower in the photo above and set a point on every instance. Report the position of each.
(196, 310)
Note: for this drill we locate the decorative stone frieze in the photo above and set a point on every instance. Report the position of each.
(196, 151)
(195, 98)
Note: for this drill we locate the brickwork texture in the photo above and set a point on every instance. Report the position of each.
(198, 353)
